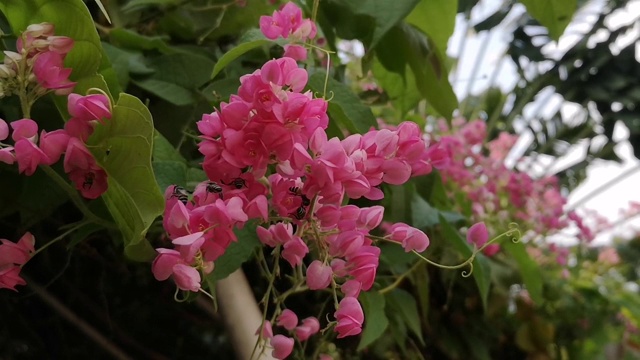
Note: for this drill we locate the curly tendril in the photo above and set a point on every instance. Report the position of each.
(514, 233)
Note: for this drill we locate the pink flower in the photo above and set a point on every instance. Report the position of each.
(491, 249)
(282, 346)
(91, 183)
(17, 253)
(28, 156)
(7, 155)
(90, 107)
(53, 144)
(266, 330)
(296, 52)
(10, 277)
(410, 237)
(288, 319)
(294, 250)
(51, 74)
(478, 234)
(24, 129)
(170, 263)
(318, 275)
(309, 327)
(4, 130)
(350, 317)
(351, 288)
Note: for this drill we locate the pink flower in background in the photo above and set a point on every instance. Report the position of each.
(10, 277)
(267, 330)
(478, 234)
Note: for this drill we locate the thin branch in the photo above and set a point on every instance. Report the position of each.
(75, 320)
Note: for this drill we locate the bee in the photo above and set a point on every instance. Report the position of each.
(213, 188)
(181, 193)
(294, 190)
(237, 183)
(300, 213)
(88, 180)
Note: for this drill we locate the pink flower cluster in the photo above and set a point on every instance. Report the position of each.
(492, 188)
(282, 344)
(267, 157)
(12, 257)
(30, 150)
(39, 63)
(288, 23)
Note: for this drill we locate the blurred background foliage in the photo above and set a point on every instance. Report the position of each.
(165, 51)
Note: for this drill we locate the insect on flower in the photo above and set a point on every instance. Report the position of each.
(294, 190)
(300, 213)
(237, 183)
(181, 193)
(88, 180)
(213, 188)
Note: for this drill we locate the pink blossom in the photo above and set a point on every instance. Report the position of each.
(28, 156)
(91, 183)
(491, 249)
(351, 288)
(189, 245)
(363, 265)
(410, 237)
(350, 317)
(10, 277)
(609, 256)
(296, 52)
(186, 277)
(51, 74)
(24, 129)
(53, 144)
(170, 263)
(4, 130)
(478, 234)
(288, 319)
(7, 155)
(309, 327)
(89, 107)
(17, 253)
(294, 250)
(282, 346)
(318, 275)
(265, 330)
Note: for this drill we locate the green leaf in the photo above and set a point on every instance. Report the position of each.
(122, 146)
(402, 90)
(251, 42)
(481, 270)
(344, 107)
(405, 304)
(529, 269)
(169, 167)
(367, 20)
(405, 46)
(175, 94)
(554, 15)
(436, 18)
(236, 254)
(124, 38)
(134, 5)
(425, 215)
(375, 320)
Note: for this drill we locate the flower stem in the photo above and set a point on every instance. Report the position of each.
(62, 236)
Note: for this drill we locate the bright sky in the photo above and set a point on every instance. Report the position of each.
(494, 68)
